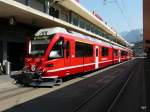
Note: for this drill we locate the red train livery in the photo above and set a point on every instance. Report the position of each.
(56, 53)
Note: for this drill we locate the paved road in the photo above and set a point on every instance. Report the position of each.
(73, 98)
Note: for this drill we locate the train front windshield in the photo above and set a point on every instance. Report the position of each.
(38, 45)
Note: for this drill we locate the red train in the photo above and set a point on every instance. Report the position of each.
(54, 53)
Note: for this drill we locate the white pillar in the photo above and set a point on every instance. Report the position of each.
(47, 5)
(4, 52)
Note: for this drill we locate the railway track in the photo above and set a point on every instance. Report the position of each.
(131, 97)
(124, 86)
(116, 96)
(97, 93)
(147, 77)
(5, 94)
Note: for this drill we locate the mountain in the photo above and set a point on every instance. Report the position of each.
(133, 35)
(124, 33)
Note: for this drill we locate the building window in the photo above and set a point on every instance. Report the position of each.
(54, 12)
(75, 21)
(82, 24)
(64, 16)
(83, 49)
(88, 26)
(103, 34)
(28, 2)
(96, 31)
(92, 29)
(99, 33)
(104, 51)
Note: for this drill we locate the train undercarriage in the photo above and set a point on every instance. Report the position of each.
(34, 79)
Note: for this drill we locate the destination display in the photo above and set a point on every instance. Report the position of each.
(44, 37)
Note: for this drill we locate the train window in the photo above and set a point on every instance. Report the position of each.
(96, 52)
(123, 53)
(115, 52)
(83, 49)
(67, 49)
(104, 51)
(88, 49)
(57, 50)
(79, 49)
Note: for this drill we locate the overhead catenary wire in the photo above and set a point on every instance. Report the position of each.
(125, 11)
(123, 4)
(121, 10)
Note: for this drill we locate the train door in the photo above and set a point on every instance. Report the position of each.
(88, 58)
(119, 54)
(56, 58)
(67, 55)
(113, 56)
(77, 57)
(96, 57)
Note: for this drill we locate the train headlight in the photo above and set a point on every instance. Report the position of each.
(33, 68)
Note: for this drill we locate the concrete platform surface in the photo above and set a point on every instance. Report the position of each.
(6, 83)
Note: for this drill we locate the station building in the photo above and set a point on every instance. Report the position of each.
(146, 26)
(20, 19)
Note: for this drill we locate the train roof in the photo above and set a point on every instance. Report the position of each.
(54, 30)
(50, 31)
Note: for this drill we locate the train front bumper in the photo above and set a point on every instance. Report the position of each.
(25, 78)
(35, 79)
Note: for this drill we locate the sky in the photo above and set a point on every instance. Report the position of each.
(123, 15)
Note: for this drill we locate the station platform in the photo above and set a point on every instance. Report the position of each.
(123, 84)
(147, 77)
(6, 83)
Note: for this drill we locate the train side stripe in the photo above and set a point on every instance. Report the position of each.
(64, 68)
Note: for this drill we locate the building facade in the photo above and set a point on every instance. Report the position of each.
(20, 19)
(146, 26)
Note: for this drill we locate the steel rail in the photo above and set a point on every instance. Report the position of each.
(86, 101)
(122, 89)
